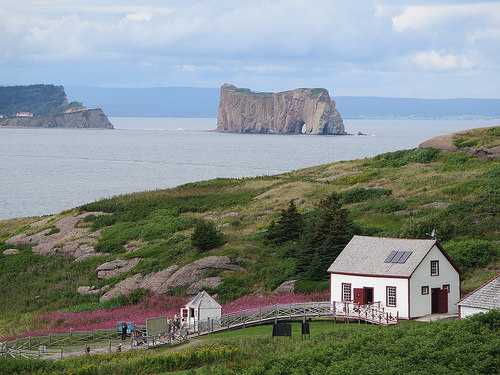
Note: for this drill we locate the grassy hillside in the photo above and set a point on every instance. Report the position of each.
(403, 193)
(41, 100)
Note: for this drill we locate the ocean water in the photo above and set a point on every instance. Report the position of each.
(44, 171)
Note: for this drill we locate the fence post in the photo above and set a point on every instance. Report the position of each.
(62, 353)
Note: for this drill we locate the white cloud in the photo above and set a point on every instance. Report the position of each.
(434, 60)
(422, 17)
(139, 16)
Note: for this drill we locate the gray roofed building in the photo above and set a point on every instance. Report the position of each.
(485, 297)
(202, 299)
(367, 256)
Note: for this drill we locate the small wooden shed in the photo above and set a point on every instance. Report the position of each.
(202, 308)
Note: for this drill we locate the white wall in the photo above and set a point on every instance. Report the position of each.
(466, 311)
(420, 305)
(212, 313)
(379, 289)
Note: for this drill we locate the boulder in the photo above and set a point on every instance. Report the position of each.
(206, 283)
(116, 267)
(10, 252)
(70, 239)
(299, 111)
(157, 282)
(286, 287)
(91, 290)
(191, 275)
(123, 288)
(193, 272)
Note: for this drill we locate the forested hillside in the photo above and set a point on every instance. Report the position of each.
(41, 100)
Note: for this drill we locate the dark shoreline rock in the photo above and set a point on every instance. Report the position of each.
(82, 119)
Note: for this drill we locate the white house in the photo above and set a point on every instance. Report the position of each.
(24, 114)
(482, 300)
(199, 310)
(410, 278)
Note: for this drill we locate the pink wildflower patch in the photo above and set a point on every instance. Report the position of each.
(154, 306)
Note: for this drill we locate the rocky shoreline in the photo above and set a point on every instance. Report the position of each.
(82, 119)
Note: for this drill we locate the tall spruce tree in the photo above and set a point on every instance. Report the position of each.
(288, 227)
(329, 231)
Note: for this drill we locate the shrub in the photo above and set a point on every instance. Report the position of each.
(206, 236)
(385, 204)
(422, 227)
(404, 157)
(360, 194)
(288, 227)
(311, 286)
(470, 253)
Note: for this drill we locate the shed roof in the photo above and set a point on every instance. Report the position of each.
(203, 299)
(486, 296)
(367, 255)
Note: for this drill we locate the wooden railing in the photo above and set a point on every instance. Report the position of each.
(373, 313)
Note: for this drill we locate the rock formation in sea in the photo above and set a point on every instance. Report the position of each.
(46, 106)
(84, 118)
(299, 111)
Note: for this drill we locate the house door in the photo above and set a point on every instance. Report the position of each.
(439, 301)
(368, 294)
(359, 296)
(443, 300)
(435, 305)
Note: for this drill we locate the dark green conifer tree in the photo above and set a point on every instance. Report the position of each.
(329, 232)
(288, 227)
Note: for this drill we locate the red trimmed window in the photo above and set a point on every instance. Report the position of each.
(346, 292)
(390, 294)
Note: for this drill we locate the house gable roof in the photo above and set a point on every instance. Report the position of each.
(365, 255)
(203, 299)
(486, 296)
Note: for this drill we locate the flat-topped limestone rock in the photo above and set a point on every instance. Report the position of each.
(299, 111)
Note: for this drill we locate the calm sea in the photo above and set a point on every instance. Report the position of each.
(44, 171)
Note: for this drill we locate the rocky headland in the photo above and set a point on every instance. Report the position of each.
(46, 106)
(82, 119)
(299, 111)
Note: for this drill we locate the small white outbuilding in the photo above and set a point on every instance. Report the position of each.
(410, 278)
(200, 309)
(482, 300)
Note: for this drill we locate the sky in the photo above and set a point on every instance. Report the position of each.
(428, 49)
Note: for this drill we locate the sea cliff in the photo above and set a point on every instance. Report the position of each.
(299, 111)
(85, 118)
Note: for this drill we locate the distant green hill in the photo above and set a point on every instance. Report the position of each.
(41, 100)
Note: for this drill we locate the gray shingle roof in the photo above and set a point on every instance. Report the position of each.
(202, 298)
(486, 297)
(366, 255)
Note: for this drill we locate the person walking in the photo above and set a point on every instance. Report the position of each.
(124, 331)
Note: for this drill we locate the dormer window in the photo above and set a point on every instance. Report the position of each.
(434, 267)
